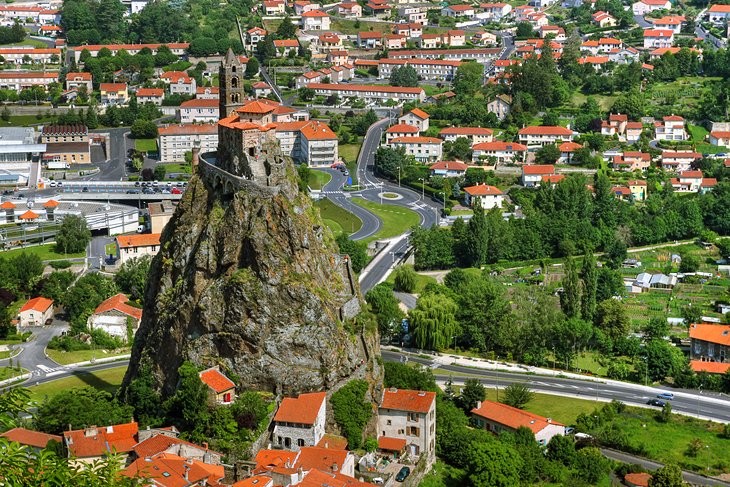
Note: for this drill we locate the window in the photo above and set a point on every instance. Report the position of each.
(389, 422)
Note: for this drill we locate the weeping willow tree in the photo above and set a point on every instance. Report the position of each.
(434, 322)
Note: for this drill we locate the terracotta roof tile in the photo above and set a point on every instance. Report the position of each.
(538, 169)
(416, 140)
(29, 215)
(483, 190)
(140, 240)
(402, 128)
(29, 437)
(499, 145)
(719, 334)
(300, 410)
(545, 130)
(420, 113)
(216, 380)
(94, 442)
(391, 444)
(450, 165)
(405, 400)
(512, 417)
(709, 367)
(466, 131)
(118, 302)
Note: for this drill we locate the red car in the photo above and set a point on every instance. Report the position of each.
(176, 191)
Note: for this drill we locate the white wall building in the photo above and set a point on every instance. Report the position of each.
(197, 110)
(497, 417)
(300, 421)
(410, 416)
(174, 141)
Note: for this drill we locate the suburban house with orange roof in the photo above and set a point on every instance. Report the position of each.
(720, 137)
(449, 169)
(285, 46)
(476, 135)
(532, 174)
(85, 446)
(544, 135)
(566, 151)
(300, 421)
(165, 440)
(643, 7)
(411, 416)
(679, 161)
(199, 110)
(423, 149)
(710, 343)
(131, 246)
(349, 10)
(79, 79)
(207, 92)
(638, 189)
(169, 470)
(221, 389)
(718, 14)
(497, 417)
(113, 93)
(631, 161)
(670, 128)
(483, 195)
(36, 312)
(315, 20)
(34, 439)
(417, 118)
(116, 317)
(401, 130)
(502, 152)
(150, 95)
(179, 82)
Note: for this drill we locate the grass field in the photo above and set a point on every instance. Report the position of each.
(318, 179)
(45, 252)
(349, 152)
(177, 168)
(604, 101)
(145, 145)
(24, 120)
(65, 358)
(107, 380)
(396, 219)
(338, 219)
(7, 372)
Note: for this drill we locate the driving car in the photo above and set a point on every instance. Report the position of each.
(402, 474)
(655, 402)
(665, 395)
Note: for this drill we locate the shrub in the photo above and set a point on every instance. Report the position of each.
(60, 264)
(405, 279)
(351, 411)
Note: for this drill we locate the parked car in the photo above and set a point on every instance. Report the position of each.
(656, 402)
(52, 184)
(665, 395)
(176, 191)
(403, 474)
(85, 189)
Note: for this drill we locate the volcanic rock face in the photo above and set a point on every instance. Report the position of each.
(250, 280)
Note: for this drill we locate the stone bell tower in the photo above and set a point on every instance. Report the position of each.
(230, 79)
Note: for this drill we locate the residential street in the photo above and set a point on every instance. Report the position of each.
(691, 478)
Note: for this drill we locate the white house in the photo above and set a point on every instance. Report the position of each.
(449, 169)
(658, 38)
(115, 317)
(486, 196)
(131, 246)
(720, 137)
(504, 152)
(423, 149)
(458, 11)
(349, 10)
(400, 130)
(643, 7)
(532, 174)
(476, 135)
(417, 118)
(544, 135)
(670, 128)
(494, 11)
(198, 110)
(679, 161)
(221, 389)
(179, 82)
(375, 93)
(718, 14)
(497, 417)
(35, 312)
(411, 416)
(315, 20)
(670, 22)
(300, 421)
(604, 19)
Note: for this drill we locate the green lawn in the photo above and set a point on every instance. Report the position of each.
(7, 372)
(24, 120)
(562, 409)
(65, 358)
(349, 152)
(338, 219)
(396, 219)
(145, 145)
(107, 380)
(177, 168)
(45, 252)
(29, 42)
(604, 101)
(318, 179)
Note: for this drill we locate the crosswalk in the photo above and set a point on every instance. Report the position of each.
(44, 370)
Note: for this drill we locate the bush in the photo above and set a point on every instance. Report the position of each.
(405, 279)
(351, 411)
(60, 264)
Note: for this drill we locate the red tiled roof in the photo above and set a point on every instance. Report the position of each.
(188, 129)
(420, 113)
(140, 240)
(333, 441)
(416, 140)
(129, 47)
(499, 145)
(215, 379)
(84, 443)
(634, 125)
(719, 334)
(708, 182)
(300, 410)
(255, 107)
(640, 479)
(391, 444)
(113, 86)
(673, 118)
(312, 457)
(118, 302)
(553, 178)
(378, 88)
(201, 90)
(286, 43)
(465, 131)
(81, 76)
(29, 437)
(158, 444)
(150, 92)
(545, 130)
(538, 169)
(168, 470)
(720, 9)
(483, 190)
(266, 459)
(315, 13)
(709, 367)
(636, 182)
(316, 130)
(402, 128)
(658, 33)
(450, 165)
(691, 174)
(512, 417)
(27, 75)
(569, 147)
(29, 215)
(199, 103)
(405, 400)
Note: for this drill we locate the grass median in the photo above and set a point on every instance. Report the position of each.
(396, 219)
(108, 380)
(338, 219)
(318, 179)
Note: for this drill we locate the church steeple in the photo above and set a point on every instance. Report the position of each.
(230, 79)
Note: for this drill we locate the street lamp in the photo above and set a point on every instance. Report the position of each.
(423, 188)
(707, 447)
(698, 400)
(399, 176)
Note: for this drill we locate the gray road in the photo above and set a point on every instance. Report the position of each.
(333, 191)
(33, 356)
(634, 394)
(96, 251)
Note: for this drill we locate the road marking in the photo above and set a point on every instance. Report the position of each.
(44, 368)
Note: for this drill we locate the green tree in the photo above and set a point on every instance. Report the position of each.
(404, 279)
(73, 236)
(405, 76)
(632, 104)
(561, 449)
(662, 359)
(143, 129)
(132, 276)
(159, 173)
(356, 251)
(78, 408)
(570, 299)
(252, 68)
(666, 415)
(188, 407)
(468, 78)
(476, 239)
(459, 149)
(589, 281)
(267, 49)
(5, 115)
(286, 29)
(433, 322)
(547, 154)
(351, 411)
(656, 329)
(55, 285)
(690, 263)
(517, 395)
(472, 394)
(667, 476)
(385, 306)
(306, 94)
(612, 319)
(591, 465)
(402, 376)
(145, 400)
(6, 321)
(493, 464)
